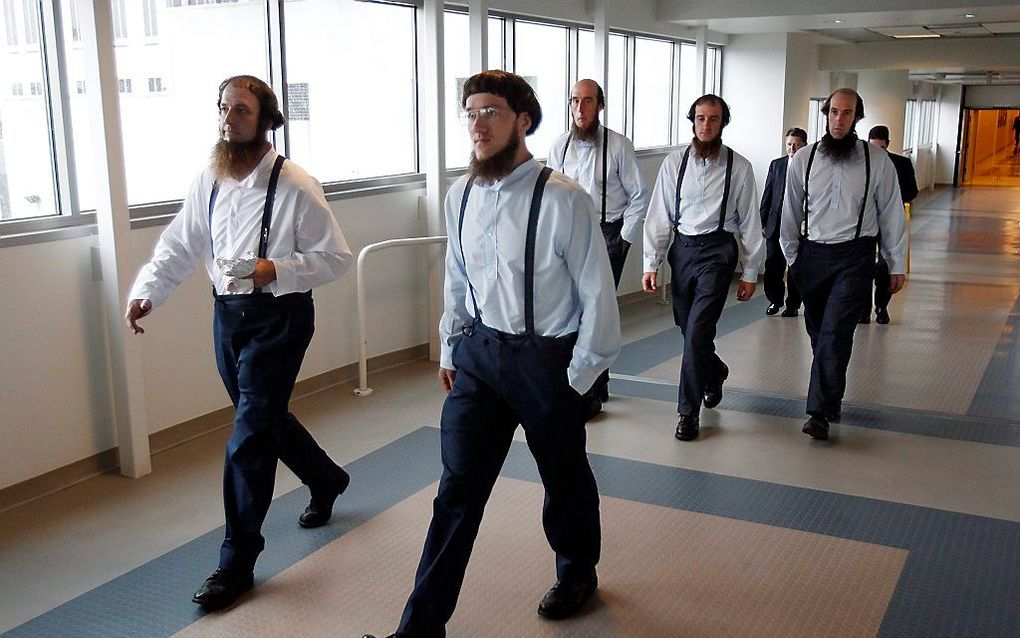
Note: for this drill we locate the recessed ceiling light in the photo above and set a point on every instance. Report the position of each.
(838, 21)
(969, 15)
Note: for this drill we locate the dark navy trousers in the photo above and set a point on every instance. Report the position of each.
(702, 269)
(882, 281)
(260, 342)
(503, 380)
(835, 282)
(618, 249)
(773, 277)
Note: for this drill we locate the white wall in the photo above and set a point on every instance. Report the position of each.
(754, 86)
(884, 94)
(993, 97)
(803, 80)
(948, 133)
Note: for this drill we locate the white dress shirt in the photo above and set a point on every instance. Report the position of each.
(835, 192)
(626, 193)
(700, 203)
(574, 289)
(305, 242)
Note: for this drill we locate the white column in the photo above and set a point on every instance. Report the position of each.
(112, 217)
(478, 24)
(435, 161)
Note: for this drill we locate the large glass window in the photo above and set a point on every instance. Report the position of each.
(357, 60)
(653, 63)
(689, 88)
(908, 124)
(616, 91)
(168, 133)
(540, 56)
(816, 119)
(927, 127)
(26, 160)
(457, 57)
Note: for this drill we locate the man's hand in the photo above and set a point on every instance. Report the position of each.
(264, 273)
(896, 283)
(745, 290)
(136, 309)
(648, 282)
(446, 377)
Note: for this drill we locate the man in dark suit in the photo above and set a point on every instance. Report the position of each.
(771, 209)
(879, 136)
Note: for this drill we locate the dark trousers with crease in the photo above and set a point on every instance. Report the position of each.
(260, 342)
(774, 278)
(702, 269)
(882, 280)
(835, 281)
(618, 249)
(503, 380)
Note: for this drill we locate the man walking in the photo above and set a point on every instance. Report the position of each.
(263, 230)
(704, 203)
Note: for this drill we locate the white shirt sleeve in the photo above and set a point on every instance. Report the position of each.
(634, 186)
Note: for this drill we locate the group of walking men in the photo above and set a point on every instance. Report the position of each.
(530, 323)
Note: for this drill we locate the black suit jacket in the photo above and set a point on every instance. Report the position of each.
(905, 175)
(771, 208)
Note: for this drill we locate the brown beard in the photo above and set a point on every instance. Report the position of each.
(838, 151)
(584, 134)
(499, 165)
(237, 159)
(706, 150)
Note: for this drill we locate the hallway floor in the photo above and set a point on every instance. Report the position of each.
(905, 523)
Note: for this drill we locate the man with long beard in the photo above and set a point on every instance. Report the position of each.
(604, 163)
(530, 321)
(841, 192)
(704, 202)
(263, 230)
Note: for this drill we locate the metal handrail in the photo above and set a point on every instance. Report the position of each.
(363, 390)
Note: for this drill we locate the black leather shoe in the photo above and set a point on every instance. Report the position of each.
(222, 588)
(772, 309)
(881, 316)
(320, 507)
(791, 312)
(567, 596)
(817, 427)
(865, 319)
(592, 407)
(687, 427)
(713, 390)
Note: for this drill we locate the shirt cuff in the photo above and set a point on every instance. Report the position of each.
(286, 278)
(750, 275)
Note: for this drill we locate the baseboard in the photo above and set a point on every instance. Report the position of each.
(109, 461)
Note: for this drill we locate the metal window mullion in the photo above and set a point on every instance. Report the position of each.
(511, 44)
(629, 78)
(418, 107)
(674, 84)
(58, 107)
(276, 51)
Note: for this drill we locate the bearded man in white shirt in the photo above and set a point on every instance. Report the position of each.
(704, 211)
(263, 230)
(842, 194)
(530, 321)
(603, 162)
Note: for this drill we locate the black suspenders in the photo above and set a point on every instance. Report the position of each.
(605, 163)
(267, 210)
(867, 187)
(726, 188)
(529, 250)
